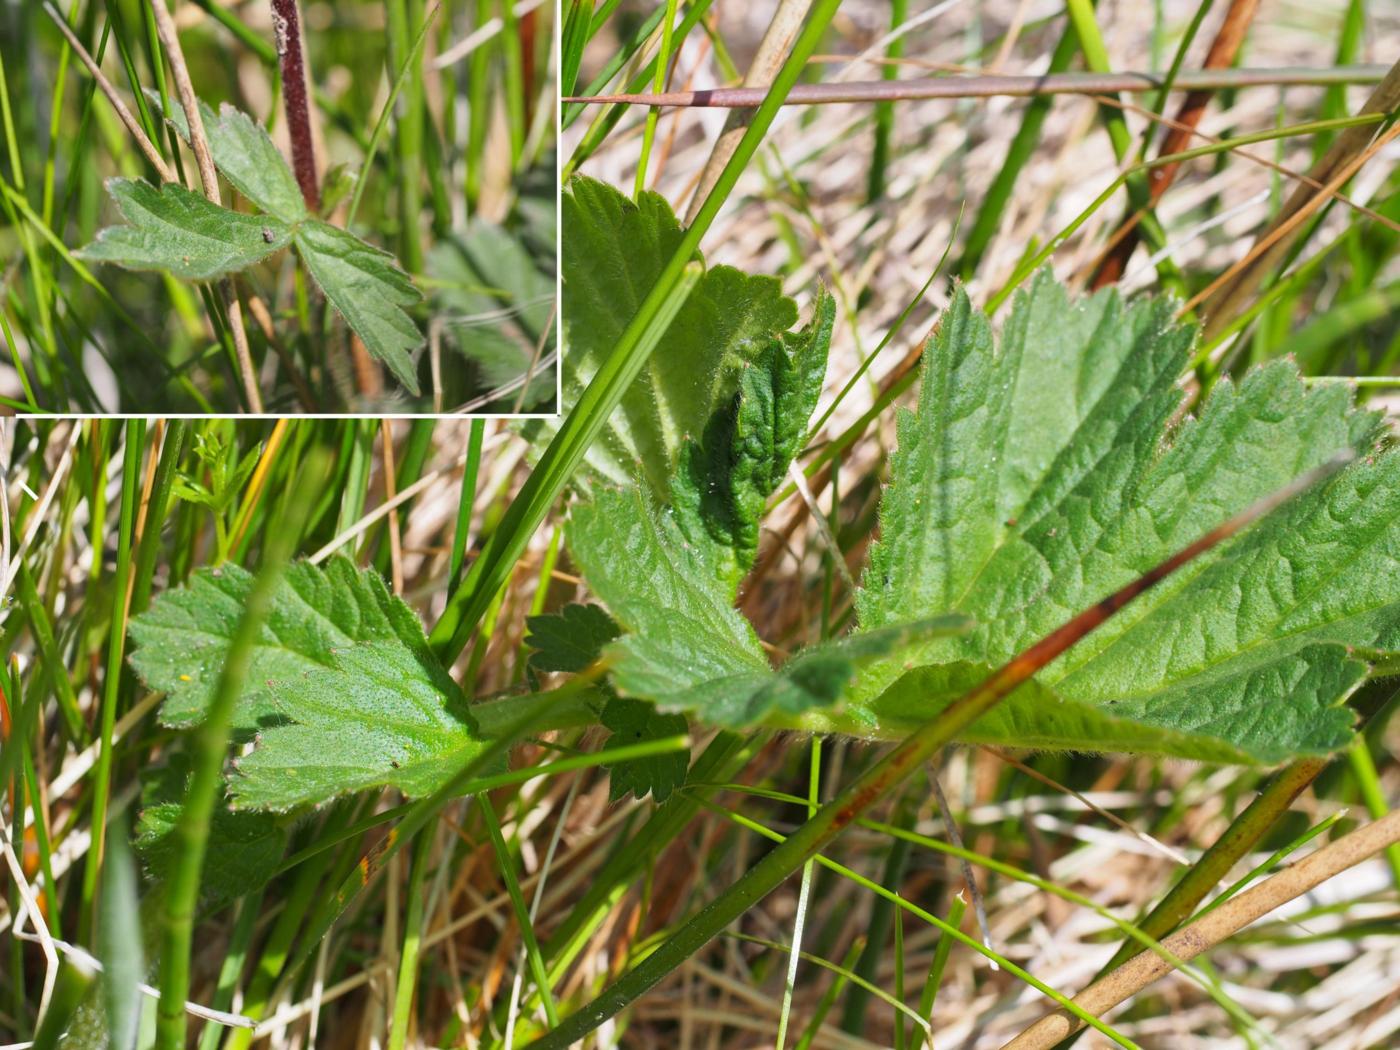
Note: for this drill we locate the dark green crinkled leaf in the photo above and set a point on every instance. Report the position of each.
(1040, 473)
(369, 290)
(634, 722)
(726, 476)
(342, 694)
(614, 249)
(571, 639)
(246, 156)
(173, 229)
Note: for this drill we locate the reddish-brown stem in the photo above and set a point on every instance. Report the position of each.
(1220, 56)
(286, 26)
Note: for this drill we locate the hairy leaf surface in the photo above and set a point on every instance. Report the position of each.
(244, 153)
(173, 229)
(1037, 477)
(1040, 473)
(343, 692)
(366, 285)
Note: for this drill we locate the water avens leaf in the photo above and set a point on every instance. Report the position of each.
(614, 250)
(369, 290)
(1041, 472)
(343, 693)
(173, 229)
(246, 156)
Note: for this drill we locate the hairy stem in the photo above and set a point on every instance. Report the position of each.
(286, 26)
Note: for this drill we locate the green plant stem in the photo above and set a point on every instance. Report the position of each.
(929, 997)
(206, 779)
(1368, 781)
(174, 447)
(50, 655)
(466, 500)
(663, 59)
(412, 942)
(506, 864)
(490, 571)
(111, 683)
(408, 135)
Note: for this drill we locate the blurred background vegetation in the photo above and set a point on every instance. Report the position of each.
(461, 190)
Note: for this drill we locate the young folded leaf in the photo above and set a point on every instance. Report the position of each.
(343, 692)
(726, 477)
(174, 229)
(613, 252)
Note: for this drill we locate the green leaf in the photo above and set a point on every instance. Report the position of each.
(1039, 476)
(343, 693)
(179, 231)
(614, 250)
(634, 722)
(244, 849)
(689, 649)
(246, 156)
(1040, 473)
(571, 639)
(725, 477)
(370, 291)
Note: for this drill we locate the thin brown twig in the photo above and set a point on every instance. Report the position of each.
(109, 90)
(1225, 299)
(209, 179)
(1249, 270)
(997, 85)
(1212, 928)
(1221, 55)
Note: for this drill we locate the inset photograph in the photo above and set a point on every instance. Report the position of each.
(291, 206)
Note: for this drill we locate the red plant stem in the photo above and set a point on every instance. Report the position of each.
(286, 25)
(1221, 56)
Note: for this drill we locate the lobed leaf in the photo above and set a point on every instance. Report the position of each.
(369, 290)
(342, 694)
(633, 722)
(176, 230)
(246, 156)
(1039, 474)
(571, 639)
(614, 250)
